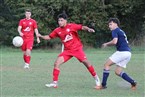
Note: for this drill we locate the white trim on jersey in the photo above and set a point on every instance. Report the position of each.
(62, 48)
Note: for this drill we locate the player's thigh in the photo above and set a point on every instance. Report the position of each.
(23, 47)
(58, 61)
(124, 62)
(66, 56)
(118, 70)
(121, 58)
(30, 44)
(80, 55)
(86, 63)
(108, 63)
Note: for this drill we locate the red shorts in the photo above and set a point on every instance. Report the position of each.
(28, 44)
(79, 54)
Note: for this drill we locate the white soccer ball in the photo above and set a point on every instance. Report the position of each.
(17, 41)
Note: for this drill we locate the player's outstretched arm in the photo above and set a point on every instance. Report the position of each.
(88, 29)
(19, 30)
(110, 43)
(37, 35)
(45, 37)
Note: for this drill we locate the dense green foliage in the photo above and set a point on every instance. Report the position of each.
(93, 13)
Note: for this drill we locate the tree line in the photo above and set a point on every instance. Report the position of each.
(93, 13)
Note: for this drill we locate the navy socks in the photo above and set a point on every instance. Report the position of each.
(105, 77)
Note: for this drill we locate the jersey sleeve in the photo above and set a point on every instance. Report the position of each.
(20, 23)
(114, 34)
(77, 26)
(53, 34)
(35, 24)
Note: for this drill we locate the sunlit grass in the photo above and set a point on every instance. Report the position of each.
(74, 79)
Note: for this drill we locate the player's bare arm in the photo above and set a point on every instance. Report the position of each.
(110, 43)
(37, 35)
(87, 29)
(19, 30)
(45, 37)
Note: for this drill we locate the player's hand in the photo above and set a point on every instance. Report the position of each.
(104, 45)
(38, 40)
(21, 34)
(91, 30)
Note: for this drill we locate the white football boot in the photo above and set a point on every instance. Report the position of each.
(53, 84)
(26, 66)
(98, 83)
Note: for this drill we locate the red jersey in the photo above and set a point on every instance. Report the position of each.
(69, 36)
(28, 26)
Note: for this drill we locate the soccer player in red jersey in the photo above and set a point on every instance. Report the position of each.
(73, 47)
(26, 29)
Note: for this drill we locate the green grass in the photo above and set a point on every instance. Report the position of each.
(74, 79)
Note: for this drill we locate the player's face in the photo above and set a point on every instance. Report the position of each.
(28, 15)
(112, 26)
(62, 22)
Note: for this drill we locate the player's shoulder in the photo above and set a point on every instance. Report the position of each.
(33, 20)
(116, 30)
(57, 29)
(71, 24)
(27, 20)
(22, 19)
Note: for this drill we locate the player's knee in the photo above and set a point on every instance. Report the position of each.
(56, 65)
(28, 52)
(117, 72)
(86, 63)
(107, 66)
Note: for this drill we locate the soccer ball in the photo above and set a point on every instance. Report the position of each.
(17, 41)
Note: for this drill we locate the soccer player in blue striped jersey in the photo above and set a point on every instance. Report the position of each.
(121, 57)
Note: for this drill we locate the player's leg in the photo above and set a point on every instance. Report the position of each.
(23, 48)
(125, 76)
(56, 69)
(81, 56)
(27, 53)
(92, 72)
(119, 70)
(56, 72)
(106, 72)
(113, 59)
(62, 58)
(27, 56)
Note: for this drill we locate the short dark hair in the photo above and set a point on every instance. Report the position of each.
(62, 15)
(115, 20)
(27, 10)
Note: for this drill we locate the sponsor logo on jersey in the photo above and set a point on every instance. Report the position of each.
(30, 23)
(67, 30)
(59, 32)
(27, 29)
(68, 37)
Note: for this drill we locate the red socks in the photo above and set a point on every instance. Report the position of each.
(27, 59)
(92, 71)
(55, 74)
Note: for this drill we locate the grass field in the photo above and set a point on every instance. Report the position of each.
(74, 79)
